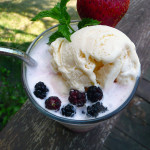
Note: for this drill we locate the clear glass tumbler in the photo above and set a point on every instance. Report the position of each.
(75, 125)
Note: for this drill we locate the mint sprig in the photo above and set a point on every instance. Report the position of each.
(59, 12)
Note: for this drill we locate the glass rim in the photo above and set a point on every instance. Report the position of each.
(69, 120)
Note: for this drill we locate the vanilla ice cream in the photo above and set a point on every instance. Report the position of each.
(97, 55)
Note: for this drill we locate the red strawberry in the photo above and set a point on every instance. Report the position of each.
(109, 12)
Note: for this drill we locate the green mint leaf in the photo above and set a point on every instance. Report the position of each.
(54, 36)
(42, 14)
(59, 12)
(65, 17)
(55, 12)
(65, 31)
(87, 22)
(63, 3)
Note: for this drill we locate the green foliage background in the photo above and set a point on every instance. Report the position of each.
(17, 31)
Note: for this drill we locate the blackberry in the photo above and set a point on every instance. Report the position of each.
(94, 94)
(95, 109)
(68, 111)
(53, 103)
(77, 98)
(40, 90)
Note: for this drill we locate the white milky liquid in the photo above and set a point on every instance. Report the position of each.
(112, 99)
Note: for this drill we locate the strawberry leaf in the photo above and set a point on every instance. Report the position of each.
(87, 22)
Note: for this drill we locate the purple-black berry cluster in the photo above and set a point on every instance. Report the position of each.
(40, 90)
(77, 98)
(94, 94)
(52, 103)
(95, 109)
(68, 111)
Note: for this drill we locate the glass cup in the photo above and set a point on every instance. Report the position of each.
(75, 125)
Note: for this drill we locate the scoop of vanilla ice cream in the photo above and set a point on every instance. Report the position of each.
(97, 55)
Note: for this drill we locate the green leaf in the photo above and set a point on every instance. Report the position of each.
(63, 3)
(60, 13)
(55, 12)
(87, 22)
(64, 21)
(54, 36)
(42, 14)
(65, 17)
(65, 31)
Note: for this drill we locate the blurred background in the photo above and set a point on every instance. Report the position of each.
(17, 32)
